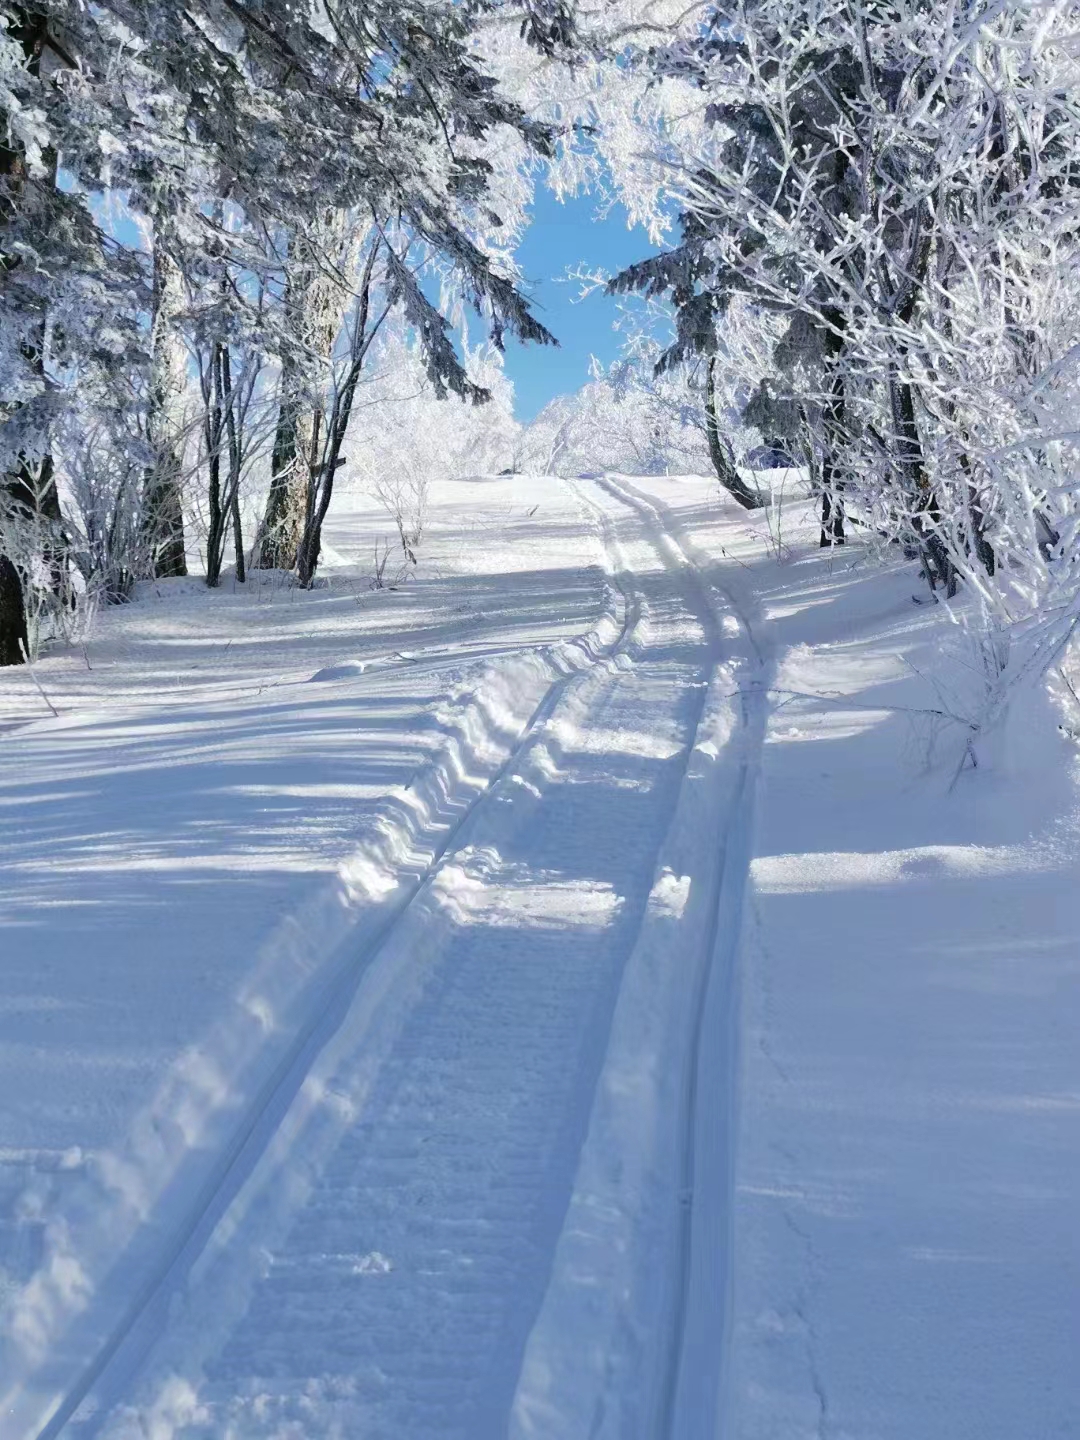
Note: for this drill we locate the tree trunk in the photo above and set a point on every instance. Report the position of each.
(214, 424)
(233, 430)
(832, 484)
(832, 508)
(984, 551)
(223, 438)
(291, 461)
(975, 541)
(926, 518)
(14, 640)
(326, 447)
(238, 538)
(314, 299)
(726, 473)
(51, 520)
(163, 514)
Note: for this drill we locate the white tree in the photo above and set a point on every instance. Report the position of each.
(902, 198)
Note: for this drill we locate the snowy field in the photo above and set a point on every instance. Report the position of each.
(573, 995)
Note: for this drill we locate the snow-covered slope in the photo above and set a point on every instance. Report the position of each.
(906, 1253)
(564, 996)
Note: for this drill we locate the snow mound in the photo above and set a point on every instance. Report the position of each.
(345, 670)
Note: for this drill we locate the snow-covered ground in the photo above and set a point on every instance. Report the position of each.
(906, 1250)
(572, 994)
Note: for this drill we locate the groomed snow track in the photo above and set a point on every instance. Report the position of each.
(539, 1029)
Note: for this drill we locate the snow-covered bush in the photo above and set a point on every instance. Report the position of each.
(625, 419)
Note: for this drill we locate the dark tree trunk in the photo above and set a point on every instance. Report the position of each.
(726, 473)
(215, 532)
(975, 541)
(328, 448)
(238, 538)
(832, 484)
(832, 510)
(984, 551)
(14, 639)
(927, 517)
(223, 438)
(232, 430)
(224, 414)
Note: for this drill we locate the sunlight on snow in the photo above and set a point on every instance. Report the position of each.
(647, 744)
(843, 869)
(528, 904)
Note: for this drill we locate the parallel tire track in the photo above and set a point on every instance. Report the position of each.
(474, 1115)
(691, 1390)
(265, 1112)
(710, 1060)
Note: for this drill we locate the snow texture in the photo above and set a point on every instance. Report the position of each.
(566, 996)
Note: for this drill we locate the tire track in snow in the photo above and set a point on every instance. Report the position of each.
(438, 1185)
(692, 1397)
(467, 1196)
(46, 1415)
(626, 1344)
(483, 1101)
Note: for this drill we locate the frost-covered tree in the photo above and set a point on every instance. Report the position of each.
(624, 418)
(377, 111)
(66, 311)
(897, 187)
(405, 435)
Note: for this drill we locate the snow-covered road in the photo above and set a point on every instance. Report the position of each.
(574, 996)
(379, 1242)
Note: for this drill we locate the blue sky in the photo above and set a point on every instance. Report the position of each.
(564, 235)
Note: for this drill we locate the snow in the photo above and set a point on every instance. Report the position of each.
(906, 1248)
(576, 993)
